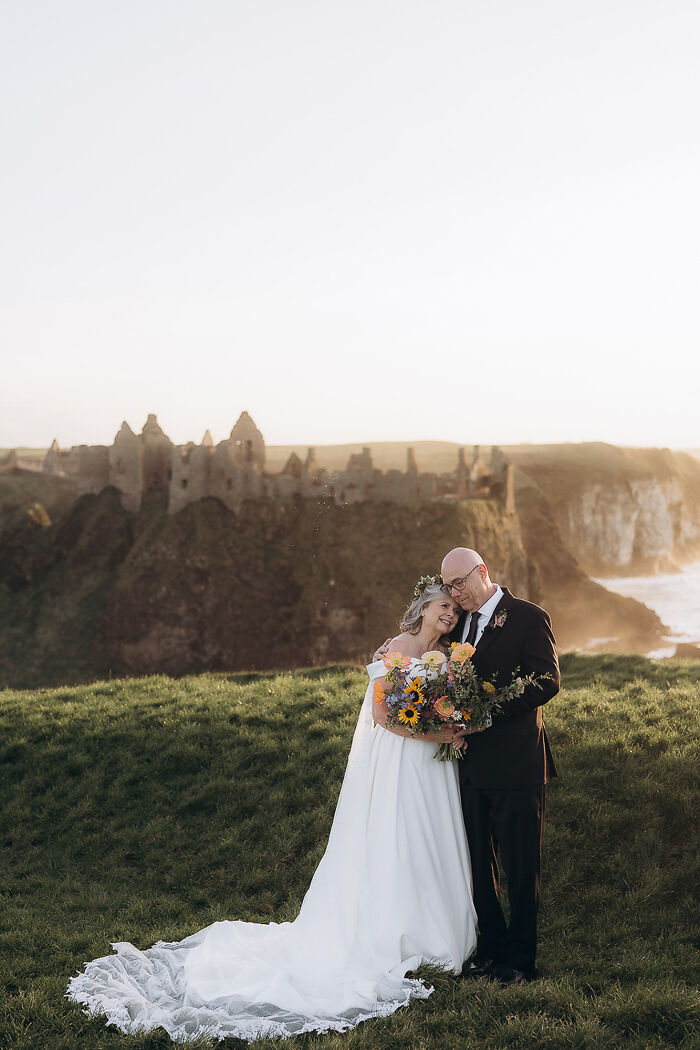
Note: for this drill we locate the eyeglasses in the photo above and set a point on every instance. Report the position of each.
(457, 585)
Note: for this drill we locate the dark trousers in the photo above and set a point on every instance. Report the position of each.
(507, 824)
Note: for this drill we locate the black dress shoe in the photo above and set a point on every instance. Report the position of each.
(509, 975)
(479, 966)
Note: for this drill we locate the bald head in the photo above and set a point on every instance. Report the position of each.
(459, 561)
(464, 569)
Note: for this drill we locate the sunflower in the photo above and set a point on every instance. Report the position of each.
(414, 686)
(409, 715)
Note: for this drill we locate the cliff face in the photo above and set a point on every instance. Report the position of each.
(275, 585)
(621, 510)
(288, 584)
(584, 613)
(640, 526)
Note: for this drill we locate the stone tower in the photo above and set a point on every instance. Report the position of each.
(157, 456)
(63, 462)
(462, 489)
(125, 467)
(293, 467)
(247, 444)
(479, 471)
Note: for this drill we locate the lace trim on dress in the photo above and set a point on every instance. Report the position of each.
(83, 989)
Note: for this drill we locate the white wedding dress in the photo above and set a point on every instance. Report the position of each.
(392, 891)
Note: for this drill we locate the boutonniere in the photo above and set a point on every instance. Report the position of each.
(498, 621)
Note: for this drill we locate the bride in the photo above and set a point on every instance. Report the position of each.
(392, 891)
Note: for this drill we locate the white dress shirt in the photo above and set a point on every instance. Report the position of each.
(484, 613)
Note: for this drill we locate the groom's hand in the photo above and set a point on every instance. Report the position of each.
(445, 734)
(459, 737)
(382, 650)
(461, 732)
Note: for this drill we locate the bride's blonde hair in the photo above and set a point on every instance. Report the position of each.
(412, 619)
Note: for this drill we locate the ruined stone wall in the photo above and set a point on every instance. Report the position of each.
(190, 475)
(229, 482)
(93, 468)
(62, 462)
(157, 457)
(234, 471)
(126, 467)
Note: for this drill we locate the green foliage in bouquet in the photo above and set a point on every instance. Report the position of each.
(424, 696)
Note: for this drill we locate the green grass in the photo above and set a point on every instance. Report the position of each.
(144, 809)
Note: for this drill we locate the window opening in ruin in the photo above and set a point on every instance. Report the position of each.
(184, 483)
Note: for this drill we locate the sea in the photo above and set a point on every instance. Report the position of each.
(674, 596)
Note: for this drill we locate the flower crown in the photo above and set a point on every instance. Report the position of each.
(426, 581)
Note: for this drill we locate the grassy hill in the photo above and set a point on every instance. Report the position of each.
(36, 454)
(144, 809)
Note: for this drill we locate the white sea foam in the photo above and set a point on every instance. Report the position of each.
(674, 597)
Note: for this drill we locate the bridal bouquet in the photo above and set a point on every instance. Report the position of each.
(440, 690)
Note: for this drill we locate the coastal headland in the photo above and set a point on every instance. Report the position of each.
(145, 556)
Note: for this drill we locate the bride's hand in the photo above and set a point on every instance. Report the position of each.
(382, 650)
(459, 738)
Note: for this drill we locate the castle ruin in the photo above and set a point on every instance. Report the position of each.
(234, 470)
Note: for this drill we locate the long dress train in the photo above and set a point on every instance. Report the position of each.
(392, 891)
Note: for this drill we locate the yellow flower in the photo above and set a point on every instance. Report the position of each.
(379, 693)
(462, 652)
(409, 715)
(466, 714)
(415, 687)
(488, 687)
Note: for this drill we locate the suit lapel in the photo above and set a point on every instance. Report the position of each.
(490, 633)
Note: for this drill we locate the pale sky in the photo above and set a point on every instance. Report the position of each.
(472, 221)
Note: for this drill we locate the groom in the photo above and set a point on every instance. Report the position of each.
(505, 768)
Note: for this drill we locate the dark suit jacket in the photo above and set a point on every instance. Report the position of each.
(514, 752)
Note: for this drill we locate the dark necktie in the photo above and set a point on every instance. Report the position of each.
(473, 628)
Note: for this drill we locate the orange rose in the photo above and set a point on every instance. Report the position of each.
(379, 693)
(444, 708)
